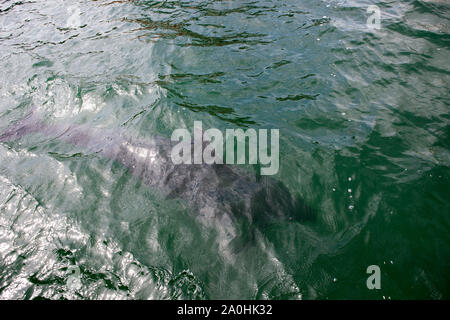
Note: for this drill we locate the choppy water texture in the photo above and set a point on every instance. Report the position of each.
(364, 125)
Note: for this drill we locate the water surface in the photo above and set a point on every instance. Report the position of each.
(364, 139)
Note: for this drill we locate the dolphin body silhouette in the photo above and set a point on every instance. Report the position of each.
(217, 193)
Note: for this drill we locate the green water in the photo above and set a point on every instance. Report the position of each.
(364, 139)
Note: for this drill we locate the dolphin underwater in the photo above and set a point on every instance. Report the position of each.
(216, 193)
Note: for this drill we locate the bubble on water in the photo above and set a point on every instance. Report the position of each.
(349, 190)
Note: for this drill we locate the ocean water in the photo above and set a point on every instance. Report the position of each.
(363, 116)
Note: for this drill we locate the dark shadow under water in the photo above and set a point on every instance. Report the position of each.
(216, 194)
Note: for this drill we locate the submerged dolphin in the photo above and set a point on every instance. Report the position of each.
(218, 193)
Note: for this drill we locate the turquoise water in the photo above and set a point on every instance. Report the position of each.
(364, 140)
